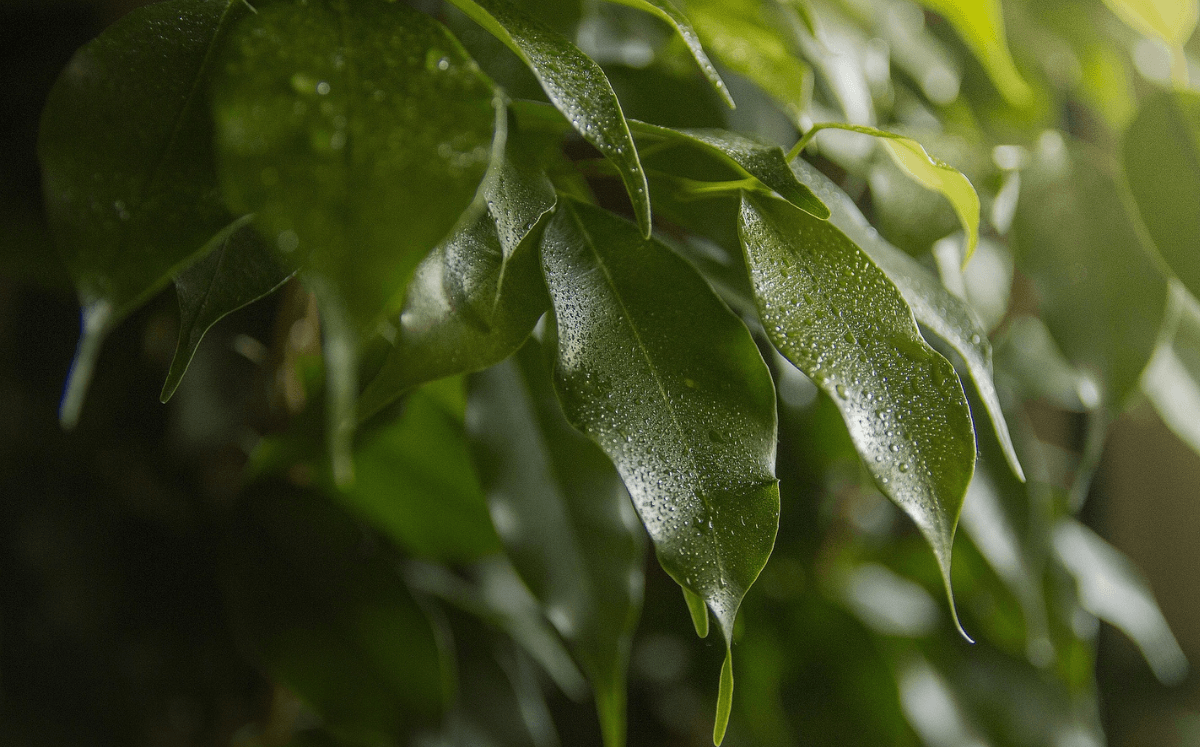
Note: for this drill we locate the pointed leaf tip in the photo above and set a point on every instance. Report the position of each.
(724, 699)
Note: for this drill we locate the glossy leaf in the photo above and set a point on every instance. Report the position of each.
(937, 310)
(835, 315)
(667, 11)
(655, 369)
(1162, 165)
(126, 154)
(565, 520)
(575, 85)
(980, 23)
(1171, 380)
(518, 192)
(1172, 21)
(1102, 296)
(241, 270)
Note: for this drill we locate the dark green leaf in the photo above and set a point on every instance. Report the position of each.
(518, 192)
(241, 270)
(127, 164)
(835, 315)
(1162, 165)
(565, 520)
(576, 86)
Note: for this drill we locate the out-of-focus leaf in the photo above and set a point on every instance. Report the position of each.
(1172, 378)
(1112, 588)
(357, 134)
(1102, 296)
(565, 520)
(1162, 165)
(752, 38)
(575, 85)
(835, 315)
(241, 270)
(657, 371)
(338, 627)
(980, 23)
(938, 310)
(127, 164)
(667, 11)
(1173, 21)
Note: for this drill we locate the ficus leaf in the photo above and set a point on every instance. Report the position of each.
(835, 315)
(241, 270)
(575, 85)
(1172, 21)
(1171, 380)
(655, 369)
(980, 23)
(565, 520)
(127, 165)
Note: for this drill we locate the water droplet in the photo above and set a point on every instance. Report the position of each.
(841, 390)
(903, 466)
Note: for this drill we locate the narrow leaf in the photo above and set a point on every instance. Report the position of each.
(575, 85)
(565, 520)
(980, 23)
(724, 699)
(698, 612)
(835, 315)
(667, 11)
(241, 270)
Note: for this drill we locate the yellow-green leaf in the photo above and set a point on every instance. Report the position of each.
(980, 23)
(1172, 21)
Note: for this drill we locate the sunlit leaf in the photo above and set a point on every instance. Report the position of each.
(565, 520)
(835, 315)
(1173, 21)
(980, 23)
(241, 270)
(575, 85)
(1172, 378)
(657, 371)
(127, 164)
(1162, 165)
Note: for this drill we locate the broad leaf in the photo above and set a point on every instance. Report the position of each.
(1172, 21)
(518, 192)
(656, 370)
(1172, 378)
(1162, 165)
(1102, 296)
(126, 154)
(575, 85)
(565, 520)
(835, 315)
(980, 23)
(241, 270)
(667, 11)
(937, 310)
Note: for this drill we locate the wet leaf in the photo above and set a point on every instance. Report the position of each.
(575, 85)
(1171, 380)
(518, 192)
(835, 315)
(241, 270)
(1162, 165)
(565, 520)
(656, 370)
(127, 164)
(980, 23)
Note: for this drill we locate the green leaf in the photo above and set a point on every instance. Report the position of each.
(667, 11)
(565, 520)
(1162, 165)
(1171, 380)
(335, 625)
(518, 192)
(127, 165)
(724, 698)
(1173, 21)
(980, 23)
(835, 315)
(575, 85)
(655, 369)
(938, 310)
(241, 270)
(1102, 296)
(698, 611)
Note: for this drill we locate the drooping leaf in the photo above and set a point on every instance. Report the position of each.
(835, 315)
(127, 165)
(1162, 165)
(241, 270)
(1172, 378)
(575, 85)
(656, 370)
(565, 520)
(980, 23)
(1172, 21)
(338, 627)
(935, 308)
(1102, 296)
(667, 11)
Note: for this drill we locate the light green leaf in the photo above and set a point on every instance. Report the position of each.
(575, 85)
(126, 153)
(980, 23)
(655, 369)
(1162, 165)
(241, 270)
(698, 612)
(835, 315)
(667, 11)
(565, 520)
(1101, 294)
(1173, 21)
(1171, 380)
(724, 699)
(937, 310)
